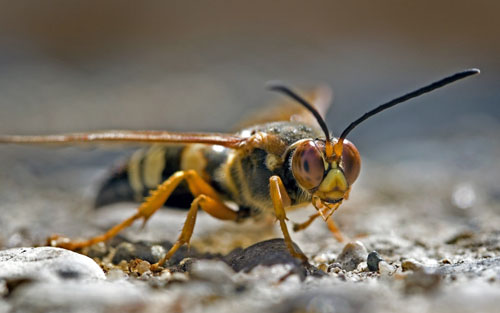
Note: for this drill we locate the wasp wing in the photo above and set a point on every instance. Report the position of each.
(132, 137)
(288, 110)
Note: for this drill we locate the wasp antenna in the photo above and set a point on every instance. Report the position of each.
(435, 85)
(287, 91)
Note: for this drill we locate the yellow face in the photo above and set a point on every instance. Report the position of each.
(334, 185)
(328, 180)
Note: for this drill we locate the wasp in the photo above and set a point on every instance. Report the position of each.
(283, 161)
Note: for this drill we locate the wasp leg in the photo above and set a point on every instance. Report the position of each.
(196, 185)
(298, 227)
(334, 229)
(213, 207)
(281, 200)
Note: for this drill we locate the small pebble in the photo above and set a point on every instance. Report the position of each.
(158, 251)
(362, 267)
(341, 276)
(334, 267)
(373, 260)
(123, 265)
(139, 266)
(410, 265)
(336, 264)
(352, 254)
(323, 267)
(179, 277)
(385, 268)
(165, 275)
(325, 257)
(322, 258)
(115, 274)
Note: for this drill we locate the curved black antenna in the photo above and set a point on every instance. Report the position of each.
(287, 91)
(438, 84)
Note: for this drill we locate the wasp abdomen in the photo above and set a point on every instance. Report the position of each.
(147, 168)
(143, 172)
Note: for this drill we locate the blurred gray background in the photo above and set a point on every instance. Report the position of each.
(202, 65)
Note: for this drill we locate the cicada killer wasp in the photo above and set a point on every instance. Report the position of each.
(282, 161)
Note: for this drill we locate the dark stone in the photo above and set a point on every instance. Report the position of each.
(270, 252)
(373, 260)
(144, 250)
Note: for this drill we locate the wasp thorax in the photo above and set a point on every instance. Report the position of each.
(307, 165)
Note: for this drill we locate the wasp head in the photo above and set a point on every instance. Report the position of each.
(327, 176)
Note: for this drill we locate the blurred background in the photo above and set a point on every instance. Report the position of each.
(203, 65)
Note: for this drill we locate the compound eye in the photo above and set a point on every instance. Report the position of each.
(351, 162)
(307, 165)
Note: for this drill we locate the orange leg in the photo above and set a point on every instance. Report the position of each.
(213, 207)
(330, 223)
(196, 185)
(304, 225)
(334, 229)
(281, 200)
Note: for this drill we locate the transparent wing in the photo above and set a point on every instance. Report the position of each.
(288, 110)
(125, 136)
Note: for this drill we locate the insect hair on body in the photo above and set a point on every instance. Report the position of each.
(265, 168)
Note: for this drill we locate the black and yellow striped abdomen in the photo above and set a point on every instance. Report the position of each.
(147, 168)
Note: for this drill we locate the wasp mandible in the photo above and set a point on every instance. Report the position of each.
(263, 169)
